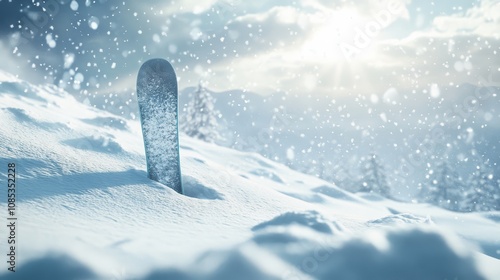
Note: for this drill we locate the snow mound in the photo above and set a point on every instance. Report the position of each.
(494, 216)
(412, 254)
(19, 90)
(52, 266)
(371, 196)
(400, 219)
(267, 174)
(311, 219)
(335, 193)
(23, 117)
(111, 122)
(94, 143)
(245, 262)
(20, 114)
(193, 188)
(88, 210)
(309, 197)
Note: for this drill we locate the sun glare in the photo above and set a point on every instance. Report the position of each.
(331, 32)
(332, 48)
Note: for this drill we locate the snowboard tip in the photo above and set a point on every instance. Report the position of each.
(156, 61)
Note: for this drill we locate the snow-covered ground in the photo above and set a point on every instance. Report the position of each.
(86, 210)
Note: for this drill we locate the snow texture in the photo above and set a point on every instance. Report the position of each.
(87, 210)
(311, 219)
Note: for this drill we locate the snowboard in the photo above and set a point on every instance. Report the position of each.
(158, 104)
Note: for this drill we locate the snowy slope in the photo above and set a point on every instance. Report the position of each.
(87, 211)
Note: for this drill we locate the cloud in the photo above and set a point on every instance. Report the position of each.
(298, 50)
(364, 8)
(456, 49)
(482, 20)
(301, 48)
(465, 52)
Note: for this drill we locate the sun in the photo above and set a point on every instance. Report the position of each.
(340, 36)
(329, 31)
(330, 46)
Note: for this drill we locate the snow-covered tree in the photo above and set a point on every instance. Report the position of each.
(373, 177)
(200, 118)
(342, 177)
(444, 188)
(484, 192)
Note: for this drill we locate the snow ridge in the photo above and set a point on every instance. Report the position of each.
(89, 211)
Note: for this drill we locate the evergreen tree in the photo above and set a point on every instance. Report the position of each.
(484, 192)
(200, 119)
(373, 177)
(340, 175)
(445, 188)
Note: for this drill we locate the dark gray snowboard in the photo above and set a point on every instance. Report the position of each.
(158, 105)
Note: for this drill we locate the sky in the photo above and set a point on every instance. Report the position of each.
(304, 47)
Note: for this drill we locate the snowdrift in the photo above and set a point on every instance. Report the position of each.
(86, 210)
